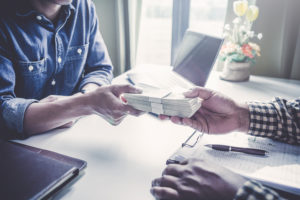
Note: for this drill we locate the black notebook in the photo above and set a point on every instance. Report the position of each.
(31, 173)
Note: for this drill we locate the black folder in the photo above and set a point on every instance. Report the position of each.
(31, 173)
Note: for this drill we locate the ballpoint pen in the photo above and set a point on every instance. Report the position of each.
(258, 152)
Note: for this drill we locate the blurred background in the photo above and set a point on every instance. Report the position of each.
(141, 32)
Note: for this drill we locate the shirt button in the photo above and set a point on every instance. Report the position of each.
(79, 51)
(53, 82)
(39, 17)
(30, 68)
(59, 59)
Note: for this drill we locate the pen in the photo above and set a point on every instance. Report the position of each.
(130, 80)
(251, 151)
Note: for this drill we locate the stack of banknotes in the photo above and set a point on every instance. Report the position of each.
(163, 102)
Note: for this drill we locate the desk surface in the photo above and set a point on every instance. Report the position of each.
(123, 160)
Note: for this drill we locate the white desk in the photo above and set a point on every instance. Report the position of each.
(123, 160)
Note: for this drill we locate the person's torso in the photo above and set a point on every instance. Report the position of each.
(47, 58)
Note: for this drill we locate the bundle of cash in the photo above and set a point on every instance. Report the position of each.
(163, 102)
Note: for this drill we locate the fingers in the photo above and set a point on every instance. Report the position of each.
(192, 123)
(201, 92)
(185, 162)
(119, 108)
(120, 113)
(130, 110)
(173, 170)
(176, 120)
(163, 117)
(166, 181)
(120, 89)
(107, 103)
(198, 122)
(186, 121)
(164, 193)
(195, 124)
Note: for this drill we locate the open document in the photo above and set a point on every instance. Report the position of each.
(280, 169)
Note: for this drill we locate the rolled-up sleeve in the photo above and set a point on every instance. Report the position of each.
(98, 68)
(13, 114)
(12, 109)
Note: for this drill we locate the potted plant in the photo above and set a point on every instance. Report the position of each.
(238, 52)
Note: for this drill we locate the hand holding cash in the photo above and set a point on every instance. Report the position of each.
(163, 102)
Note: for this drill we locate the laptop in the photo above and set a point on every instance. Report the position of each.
(194, 61)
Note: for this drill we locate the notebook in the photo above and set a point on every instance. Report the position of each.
(31, 173)
(195, 59)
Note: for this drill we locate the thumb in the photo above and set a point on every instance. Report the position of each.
(201, 92)
(120, 89)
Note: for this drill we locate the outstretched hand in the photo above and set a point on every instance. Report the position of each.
(105, 101)
(218, 113)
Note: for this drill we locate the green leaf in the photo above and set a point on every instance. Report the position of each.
(237, 57)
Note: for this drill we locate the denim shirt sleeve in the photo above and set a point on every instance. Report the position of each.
(12, 109)
(98, 68)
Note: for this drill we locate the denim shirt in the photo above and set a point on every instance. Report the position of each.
(39, 58)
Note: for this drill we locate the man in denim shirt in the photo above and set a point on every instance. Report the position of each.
(54, 47)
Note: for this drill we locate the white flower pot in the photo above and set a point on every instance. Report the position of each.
(235, 71)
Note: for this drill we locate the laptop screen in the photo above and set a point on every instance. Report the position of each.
(196, 56)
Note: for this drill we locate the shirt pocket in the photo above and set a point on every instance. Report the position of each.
(74, 65)
(32, 68)
(77, 53)
(30, 78)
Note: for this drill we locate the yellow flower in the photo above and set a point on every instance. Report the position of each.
(252, 13)
(240, 7)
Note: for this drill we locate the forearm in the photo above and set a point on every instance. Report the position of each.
(45, 116)
(89, 87)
